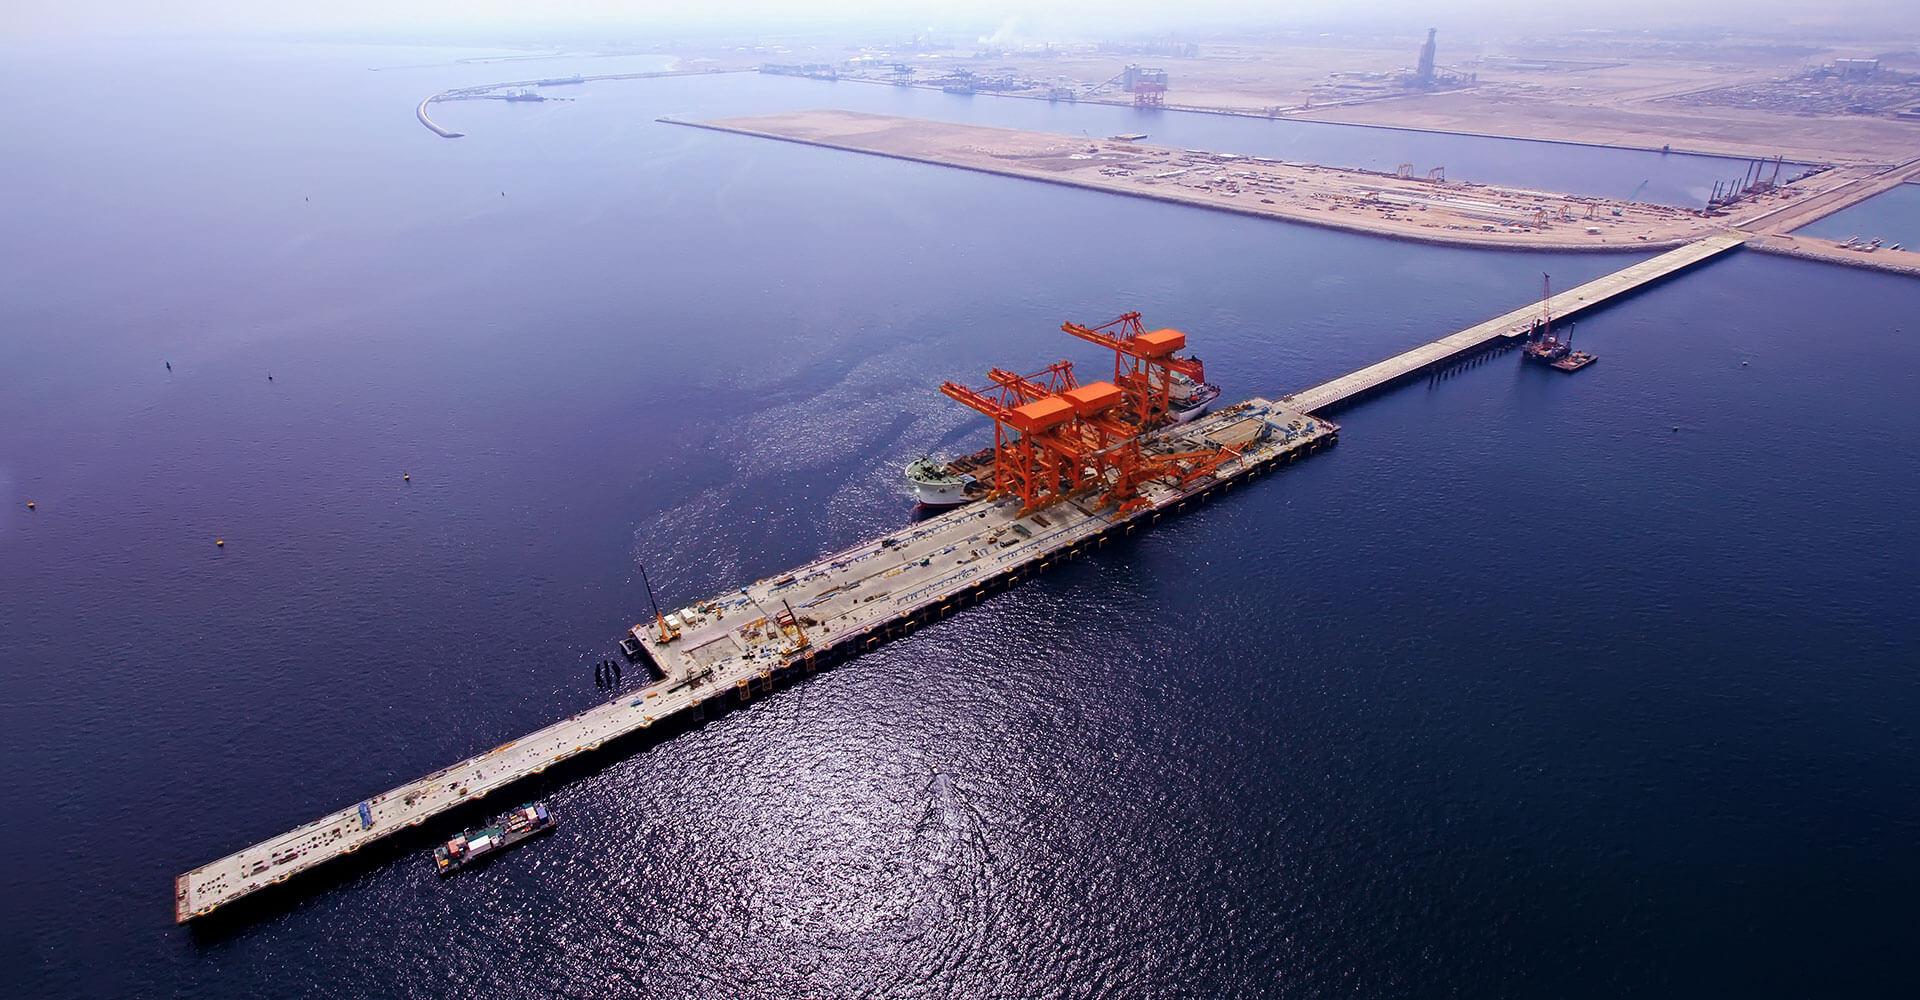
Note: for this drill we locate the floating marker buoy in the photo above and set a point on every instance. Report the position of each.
(31, 505)
(220, 543)
(406, 477)
(1676, 428)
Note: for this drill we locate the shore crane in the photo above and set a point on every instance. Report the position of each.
(1054, 437)
(1144, 363)
(1032, 458)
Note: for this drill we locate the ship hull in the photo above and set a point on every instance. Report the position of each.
(943, 495)
(1196, 405)
(935, 485)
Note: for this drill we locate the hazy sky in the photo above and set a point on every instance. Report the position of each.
(1084, 18)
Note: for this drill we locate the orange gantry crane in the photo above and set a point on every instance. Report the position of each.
(1143, 363)
(1037, 456)
(1054, 438)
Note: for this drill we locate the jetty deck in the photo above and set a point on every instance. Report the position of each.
(1511, 326)
(745, 640)
(733, 645)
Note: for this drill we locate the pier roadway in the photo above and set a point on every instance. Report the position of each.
(1511, 326)
(1854, 186)
(1777, 231)
(742, 641)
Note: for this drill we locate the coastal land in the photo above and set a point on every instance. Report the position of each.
(1399, 205)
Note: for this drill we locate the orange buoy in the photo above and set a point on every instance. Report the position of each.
(220, 543)
(32, 506)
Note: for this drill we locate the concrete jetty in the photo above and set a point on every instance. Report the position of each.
(726, 649)
(1511, 327)
(1854, 185)
(733, 646)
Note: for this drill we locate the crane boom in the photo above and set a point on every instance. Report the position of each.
(1144, 363)
(1054, 438)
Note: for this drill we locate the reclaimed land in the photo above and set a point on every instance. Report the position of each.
(1395, 205)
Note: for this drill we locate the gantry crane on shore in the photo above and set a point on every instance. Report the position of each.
(1054, 438)
(1144, 364)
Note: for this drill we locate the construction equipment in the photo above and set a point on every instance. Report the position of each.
(1547, 348)
(792, 628)
(666, 634)
(1104, 84)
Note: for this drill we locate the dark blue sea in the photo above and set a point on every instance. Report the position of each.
(1536, 686)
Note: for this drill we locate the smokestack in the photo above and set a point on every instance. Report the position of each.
(1425, 71)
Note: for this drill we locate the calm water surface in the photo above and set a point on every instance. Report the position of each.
(1535, 686)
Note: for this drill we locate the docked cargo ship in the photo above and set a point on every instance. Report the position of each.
(1188, 399)
(473, 846)
(949, 482)
(936, 484)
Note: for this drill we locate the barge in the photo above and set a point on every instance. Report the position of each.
(511, 830)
